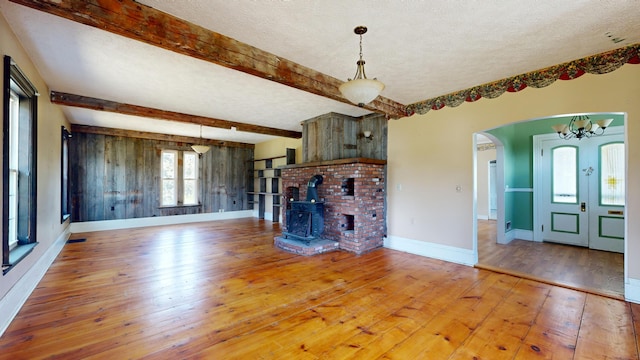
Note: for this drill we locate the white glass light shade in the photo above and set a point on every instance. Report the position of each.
(200, 149)
(361, 91)
(604, 122)
(560, 128)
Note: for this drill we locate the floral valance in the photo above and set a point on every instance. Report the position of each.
(596, 64)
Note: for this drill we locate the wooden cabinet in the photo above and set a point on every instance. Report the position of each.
(267, 181)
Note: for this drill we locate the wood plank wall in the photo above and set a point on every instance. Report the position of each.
(335, 136)
(115, 177)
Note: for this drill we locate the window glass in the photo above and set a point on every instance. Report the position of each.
(190, 176)
(65, 208)
(19, 168)
(169, 161)
(564, 167)
(612, 174)
(14, 102)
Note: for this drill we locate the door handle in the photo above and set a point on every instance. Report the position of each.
(583, 206)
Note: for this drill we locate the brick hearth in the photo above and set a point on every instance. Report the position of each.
(353, 195)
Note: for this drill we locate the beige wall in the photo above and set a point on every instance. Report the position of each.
(50, 119)
(430, 154)
(277, 147)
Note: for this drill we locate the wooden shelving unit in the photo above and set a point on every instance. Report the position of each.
(267, 177)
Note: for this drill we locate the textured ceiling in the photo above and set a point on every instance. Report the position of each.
(419, 49)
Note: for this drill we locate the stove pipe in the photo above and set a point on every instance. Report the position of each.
(312, 190)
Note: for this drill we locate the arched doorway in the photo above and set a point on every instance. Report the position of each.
(511, 247)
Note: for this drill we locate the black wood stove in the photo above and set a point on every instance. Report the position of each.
(305, 219)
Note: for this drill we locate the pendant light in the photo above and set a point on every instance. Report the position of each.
(361, 90)
(580, 127)
(200, 149)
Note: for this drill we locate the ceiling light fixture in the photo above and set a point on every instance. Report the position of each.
(580, 127)
(361, 90)
(200, 149)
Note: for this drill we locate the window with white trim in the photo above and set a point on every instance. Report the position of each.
(190, 178)
(179, 178)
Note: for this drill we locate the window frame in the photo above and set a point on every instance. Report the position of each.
(65, 180)
(195, 178)
(15, 80)
(174, 178)
(180, 179)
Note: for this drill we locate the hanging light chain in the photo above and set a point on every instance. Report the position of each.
(360, 47)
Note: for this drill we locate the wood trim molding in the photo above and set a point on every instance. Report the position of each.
(155, 136)
(337, 162)
(144, 23)
(86, 102)
(119, 224)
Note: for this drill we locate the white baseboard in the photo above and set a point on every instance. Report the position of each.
(436, 251)
(517, 234)
(523, 234)
(483, 217)
(632, 290)
(12, 302)
(508, 237)
(88, 226)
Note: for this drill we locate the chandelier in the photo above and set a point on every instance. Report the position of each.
(580, 127)
(361, 90)
(200, 149)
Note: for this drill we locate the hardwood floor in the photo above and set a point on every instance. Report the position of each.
(600, 272)
(221, 290)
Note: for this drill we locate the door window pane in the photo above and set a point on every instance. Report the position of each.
(612, 174)
(564, 165)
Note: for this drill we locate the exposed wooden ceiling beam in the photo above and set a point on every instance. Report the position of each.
(140, 22)
(135, 110)
(155, 136)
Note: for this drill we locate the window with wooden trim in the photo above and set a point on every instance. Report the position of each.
(19, 123)
(179, 178)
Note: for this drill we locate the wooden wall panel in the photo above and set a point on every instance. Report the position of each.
(115, 177)
(150, 195)
(375, 148)
(335, 136)
(135, 194)
(95, 191)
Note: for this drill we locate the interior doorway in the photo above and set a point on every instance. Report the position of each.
(512, 247)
